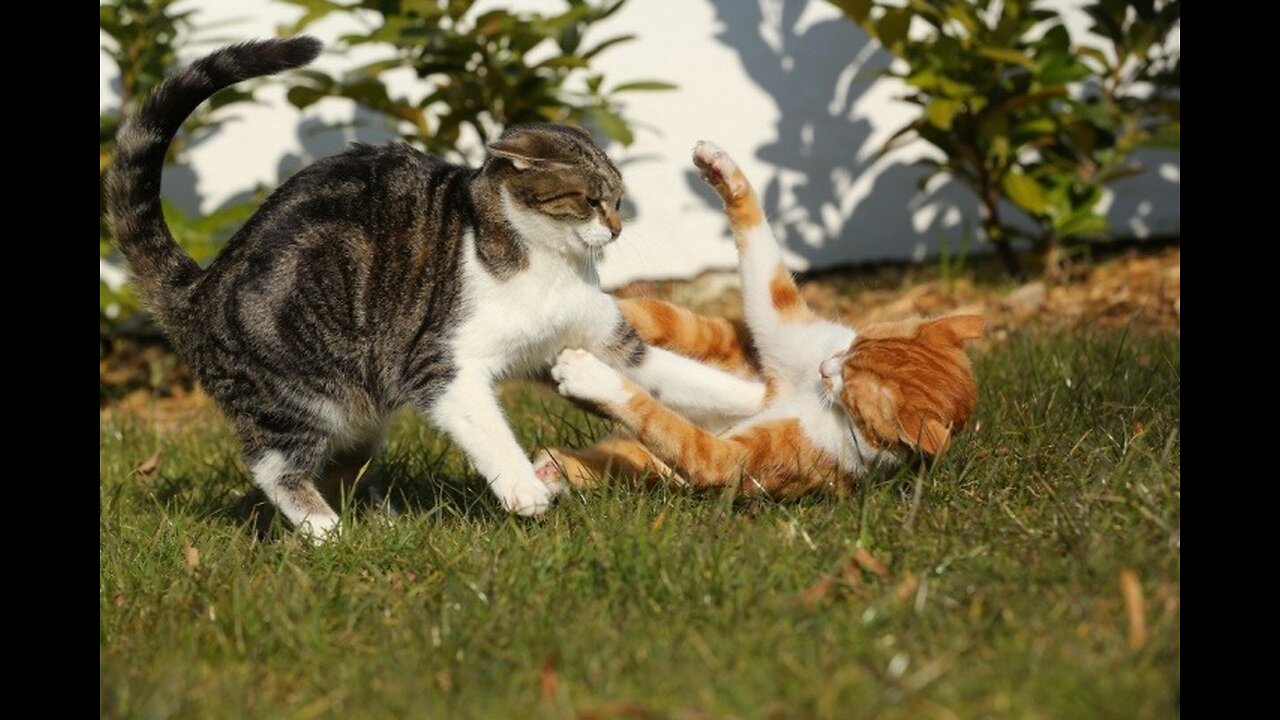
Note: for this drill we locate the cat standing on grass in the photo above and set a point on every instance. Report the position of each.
(837, 401)
(383, 277)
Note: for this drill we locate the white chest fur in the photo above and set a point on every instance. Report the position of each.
(518, 325)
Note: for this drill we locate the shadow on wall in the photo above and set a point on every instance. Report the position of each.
(317, 139)
(816, 74)
(810, 74)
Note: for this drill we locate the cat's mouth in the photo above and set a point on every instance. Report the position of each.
(593, 240)
(830, 375)
(831, 387)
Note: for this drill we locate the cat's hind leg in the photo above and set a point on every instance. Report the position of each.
(342, 471)
(287, 474)
(769, 295)
(616, 457)
(780, 321)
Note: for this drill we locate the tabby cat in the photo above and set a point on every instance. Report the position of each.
(383, 277)
(836, 401)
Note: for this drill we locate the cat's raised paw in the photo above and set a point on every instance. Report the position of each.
(720, 171)
(579, 374)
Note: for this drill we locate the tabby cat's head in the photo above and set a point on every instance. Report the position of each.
(907, 384)
(561, 184)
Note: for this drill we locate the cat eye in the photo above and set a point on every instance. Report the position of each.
(617, 205)
(553, 198)
(594, 201)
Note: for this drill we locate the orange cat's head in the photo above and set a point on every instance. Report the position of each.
(907, 384)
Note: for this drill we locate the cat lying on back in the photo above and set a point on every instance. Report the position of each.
(383, 277)
(837, 400)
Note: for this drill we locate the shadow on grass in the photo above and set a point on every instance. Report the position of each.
(393, 485)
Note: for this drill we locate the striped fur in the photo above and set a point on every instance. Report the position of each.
(378, 278)
(161, 271)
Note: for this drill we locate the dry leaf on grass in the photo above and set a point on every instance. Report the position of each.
(817, 591)
(1135, 608)
(860, 561)
(870, 563)
(190, 557)
(149, 467)
(548, 680)
(906, 589)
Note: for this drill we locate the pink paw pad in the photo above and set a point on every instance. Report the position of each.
(717, 168)
(548, 471)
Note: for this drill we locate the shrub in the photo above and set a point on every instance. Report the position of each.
(145, 36)
(1020, 113)
(481, 69)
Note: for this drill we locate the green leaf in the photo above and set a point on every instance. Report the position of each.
(1025, 192)
(926, 79)
(892, 28)
(954, 89)
(856, 9)
(301, 96)
(1085, 222)
(1168, 136)
(1036, 127)
(1005, 55)
(644, 86)
(587, 55)
(563, 61)
(942, 111)
(609, 123)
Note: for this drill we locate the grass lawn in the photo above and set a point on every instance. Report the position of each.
(1002, 597)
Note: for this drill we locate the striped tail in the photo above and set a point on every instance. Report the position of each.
(161, 270)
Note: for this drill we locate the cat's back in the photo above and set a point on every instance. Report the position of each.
(369, 208)
(377, 190)
(346, 252)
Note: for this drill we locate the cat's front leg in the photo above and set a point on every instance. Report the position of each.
(469, 412)
(583, 376)
(698, 390)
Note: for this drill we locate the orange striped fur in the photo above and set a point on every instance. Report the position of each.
(715, 341)
(786, 297)
(911, 382)
(905, 387)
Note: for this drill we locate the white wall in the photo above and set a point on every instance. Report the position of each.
(773, 81)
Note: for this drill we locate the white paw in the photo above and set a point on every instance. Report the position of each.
(527, 498)
(718, 169)
(582, 375)
(320, 529)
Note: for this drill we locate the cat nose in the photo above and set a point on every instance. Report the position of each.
(829, 367)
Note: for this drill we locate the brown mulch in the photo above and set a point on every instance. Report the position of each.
(1141, 290)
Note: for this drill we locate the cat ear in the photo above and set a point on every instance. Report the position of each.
(526, 149)
(924, 433)
(958, 327)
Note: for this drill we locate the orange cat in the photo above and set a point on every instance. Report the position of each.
(837, 401)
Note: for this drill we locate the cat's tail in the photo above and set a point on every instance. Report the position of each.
(161, 270)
